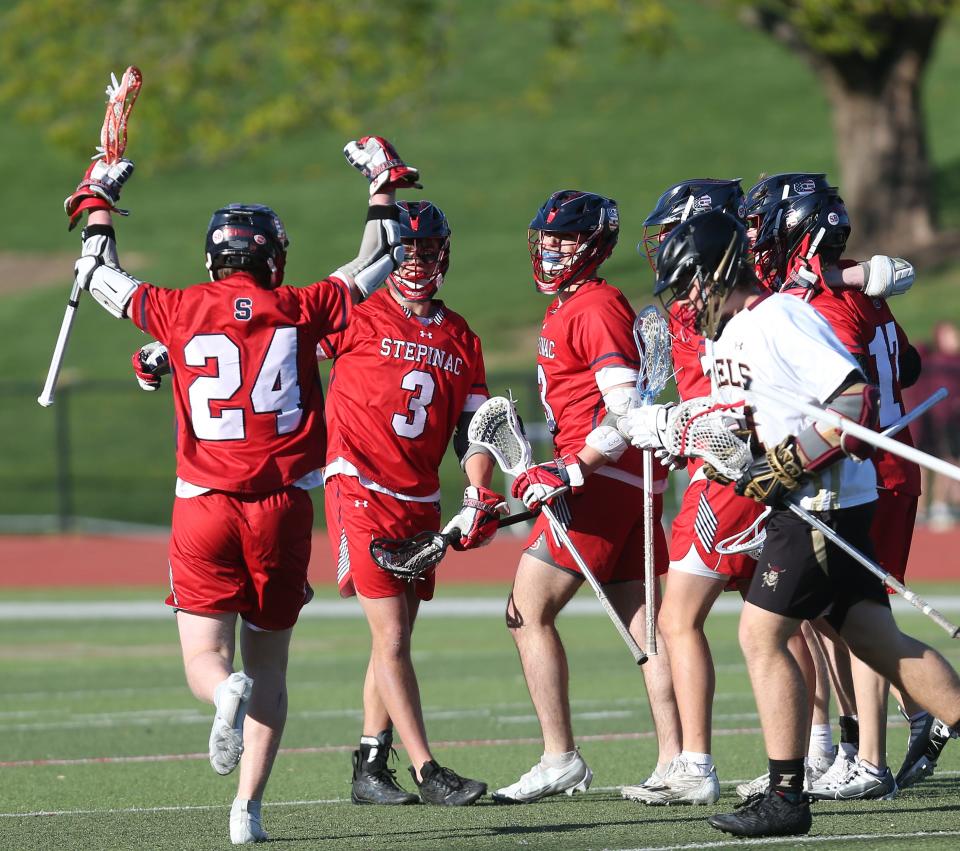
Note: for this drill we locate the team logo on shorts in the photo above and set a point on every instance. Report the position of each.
(771, 577)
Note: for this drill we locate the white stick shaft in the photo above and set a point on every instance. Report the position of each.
(638, 655)
(894, 447)
(649, 574)
(46, 395)
(916, 413)
(877, 570)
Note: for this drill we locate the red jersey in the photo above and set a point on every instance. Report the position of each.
(688, 348)
(866, 327)
(397, 389)
(246, 391)
(586, 345)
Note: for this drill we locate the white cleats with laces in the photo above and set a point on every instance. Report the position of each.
(757, 786)
(683, 783)
(541, 781)
(834, 777)
(631, 793)
(245, 827)
(816, 767)
(226, 735)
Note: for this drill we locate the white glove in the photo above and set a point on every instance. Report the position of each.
(150, 363)
(378, 161)
(888, 276)
(478, 516)
(645, 427)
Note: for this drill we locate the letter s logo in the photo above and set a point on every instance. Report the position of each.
(243, 309)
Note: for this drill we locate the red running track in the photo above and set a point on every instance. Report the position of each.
(92, 560)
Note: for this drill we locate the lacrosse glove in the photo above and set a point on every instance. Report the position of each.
(99, 189)
(150, 363)
(772, 477)
(543, 482)
(478, 517)
(378, 161)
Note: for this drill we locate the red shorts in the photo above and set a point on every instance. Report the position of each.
(709, 513)
(892, 530)
(242, 553)
(605, 523)
(356, 515)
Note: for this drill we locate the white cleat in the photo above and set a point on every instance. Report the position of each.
(816, 767)
(632, 793)
(245, 827)
(834, 778)
(542, 781)
(226, 735)
(682, 784)
(757, 786)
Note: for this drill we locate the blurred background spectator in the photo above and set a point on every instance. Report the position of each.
(938, 431)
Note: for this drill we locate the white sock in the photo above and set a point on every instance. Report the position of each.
(702, 762)
(558, 760)
(871, 768)
(821, 740)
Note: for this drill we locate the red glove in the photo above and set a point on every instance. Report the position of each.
(150, 363)
(378, 161)
(543, 482)
(99, 189)
(478, 517)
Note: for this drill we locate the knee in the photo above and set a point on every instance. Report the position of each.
(392, 642)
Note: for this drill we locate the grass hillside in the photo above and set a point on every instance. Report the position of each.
(493, 136)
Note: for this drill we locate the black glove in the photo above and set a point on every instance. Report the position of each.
(773, 476)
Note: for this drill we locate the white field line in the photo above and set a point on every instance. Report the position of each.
(325, 749)
(796, 840)
(319, 801)
(465, 607)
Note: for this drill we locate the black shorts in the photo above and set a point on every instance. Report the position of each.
(802, 575)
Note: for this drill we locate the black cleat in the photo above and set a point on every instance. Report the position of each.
(444, 787)
(375, 783)
(922, 756)
(769, 814)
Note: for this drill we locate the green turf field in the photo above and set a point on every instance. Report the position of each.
(112, 743)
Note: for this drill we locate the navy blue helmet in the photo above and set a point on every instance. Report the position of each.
(426, 247)
(247, 237)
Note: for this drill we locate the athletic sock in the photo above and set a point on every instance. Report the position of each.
(871, 768)
(821, 740)
(786, 778)
(849, 735)
(558, 760)
(700, 762)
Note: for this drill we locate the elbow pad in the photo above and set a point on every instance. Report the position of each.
(608, 441)
(859, 403)
(98, 270)
(381, 251)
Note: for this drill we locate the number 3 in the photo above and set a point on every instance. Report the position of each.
(412, 423)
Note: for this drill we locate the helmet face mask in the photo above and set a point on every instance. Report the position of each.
(425, 233)
(571, 235)
(250, 238)
(683, 200)
(698, 265)
(810, 230)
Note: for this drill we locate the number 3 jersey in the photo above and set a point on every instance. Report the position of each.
(398, 386)
(586, 346)
(246, 390)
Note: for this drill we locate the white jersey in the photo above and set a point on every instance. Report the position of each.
(783, 344)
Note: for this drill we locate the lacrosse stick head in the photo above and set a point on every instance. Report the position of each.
(655, 346)
(748, 541)
(496, 427)
(121, 97)
(702, 428)
(409, 558)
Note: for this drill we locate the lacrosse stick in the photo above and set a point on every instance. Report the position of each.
(113, 142)
(919, 411)
(704, 432)
(654, 345)
(412, 558)
(847, 426)
(495, 427)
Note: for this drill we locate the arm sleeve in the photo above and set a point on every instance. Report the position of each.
(153, 309)
(327, 305)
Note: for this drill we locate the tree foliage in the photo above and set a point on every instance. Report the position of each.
(222, 75)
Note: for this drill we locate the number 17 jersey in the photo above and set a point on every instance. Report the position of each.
(398, 386)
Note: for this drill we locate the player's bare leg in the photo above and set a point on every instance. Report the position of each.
(777, 681)
(914, 667)
(628, 600)
(207, 643)
(539, 593)
(872, 690)
(820, 752)
(265, 660)
(396, 681)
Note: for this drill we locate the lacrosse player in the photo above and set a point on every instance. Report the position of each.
(250, 442)
(587, 364)
(793, 256)
(407, 375)
(781, 343)
(709, 513)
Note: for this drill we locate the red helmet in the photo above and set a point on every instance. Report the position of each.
(426, 251)
(586, 224)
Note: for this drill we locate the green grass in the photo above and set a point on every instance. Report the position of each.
(494, 134)
(82, 690)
